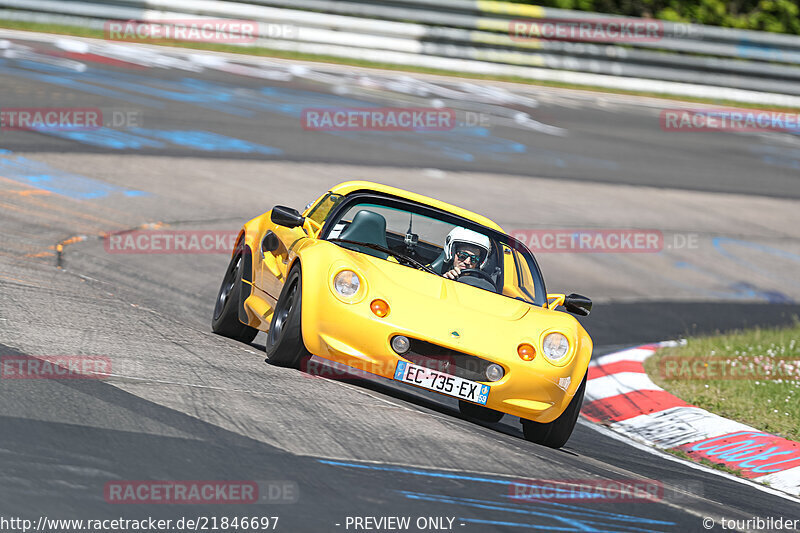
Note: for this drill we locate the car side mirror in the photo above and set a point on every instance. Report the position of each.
(577, 304)
(286, 216)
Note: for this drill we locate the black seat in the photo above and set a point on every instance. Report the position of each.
(367, 227)
(438, 263)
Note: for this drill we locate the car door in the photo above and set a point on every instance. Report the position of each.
(276, 243)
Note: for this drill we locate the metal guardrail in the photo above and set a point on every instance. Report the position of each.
(695, 31)
(469, 33)
(495, 16)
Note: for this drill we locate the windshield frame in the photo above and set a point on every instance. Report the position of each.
(388, 200)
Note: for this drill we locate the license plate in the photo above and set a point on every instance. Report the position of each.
(441, 382)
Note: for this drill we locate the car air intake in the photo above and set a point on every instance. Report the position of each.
(446, 360)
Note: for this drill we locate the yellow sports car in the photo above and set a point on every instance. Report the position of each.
(414, 290)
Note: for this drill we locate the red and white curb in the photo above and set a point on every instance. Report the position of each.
(620, 395)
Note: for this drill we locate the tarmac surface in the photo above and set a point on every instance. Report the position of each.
(211, 143)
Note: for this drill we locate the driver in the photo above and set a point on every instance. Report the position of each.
(464, 248)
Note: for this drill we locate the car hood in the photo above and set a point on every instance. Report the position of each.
(394, 279)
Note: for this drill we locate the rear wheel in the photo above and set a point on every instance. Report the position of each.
(226, 310)
(285, 345)
(555, 434)
(479, 412)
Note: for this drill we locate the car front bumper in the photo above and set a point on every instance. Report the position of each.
(350, 333)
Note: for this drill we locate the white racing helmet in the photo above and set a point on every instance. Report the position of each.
(467, 236)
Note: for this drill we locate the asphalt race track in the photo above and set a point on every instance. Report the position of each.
(204, 142)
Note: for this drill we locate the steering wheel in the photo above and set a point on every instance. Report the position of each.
(477, 272)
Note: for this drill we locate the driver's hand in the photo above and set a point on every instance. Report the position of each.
(453, 274)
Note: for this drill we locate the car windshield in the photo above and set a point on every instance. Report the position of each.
(416, 236)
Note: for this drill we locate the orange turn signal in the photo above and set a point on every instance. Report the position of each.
(526, 352)
(379, 308)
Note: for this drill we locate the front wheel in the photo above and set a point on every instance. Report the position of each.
(225, 320)
(555, 434)
(285, 345)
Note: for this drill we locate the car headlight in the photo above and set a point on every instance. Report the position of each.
(401, 344)
(494, 372)
(346, 283)
(555, 346)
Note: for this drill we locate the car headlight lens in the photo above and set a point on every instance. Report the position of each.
(494, 372)
(400, 344)
(346, 283)
(555, 346)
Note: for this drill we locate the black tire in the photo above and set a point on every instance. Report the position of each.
(285, 345)
(479, 412)
(555, 434)
(225, 320)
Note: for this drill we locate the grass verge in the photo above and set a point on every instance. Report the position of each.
(751, 376)
(266, 52)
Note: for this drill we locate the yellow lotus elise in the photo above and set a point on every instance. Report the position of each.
(417, 291)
